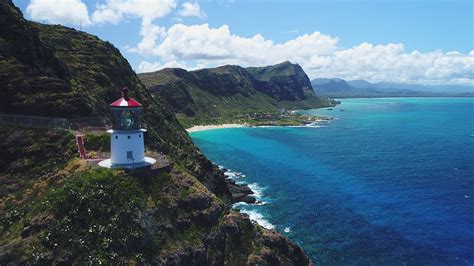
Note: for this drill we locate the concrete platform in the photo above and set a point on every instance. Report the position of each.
(145, 164)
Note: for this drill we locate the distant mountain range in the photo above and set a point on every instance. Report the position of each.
(340, 88)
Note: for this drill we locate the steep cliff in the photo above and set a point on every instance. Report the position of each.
(54, 209)
(29, 67)
(58, 71)
(231, 90)
(284, 81)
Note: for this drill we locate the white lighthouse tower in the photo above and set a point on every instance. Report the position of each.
(127, 148)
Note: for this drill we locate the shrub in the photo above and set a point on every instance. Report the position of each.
(98, 217)
(97, 142)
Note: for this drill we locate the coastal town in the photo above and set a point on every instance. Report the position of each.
(283, 118)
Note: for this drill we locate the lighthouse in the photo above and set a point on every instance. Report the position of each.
(127, 147)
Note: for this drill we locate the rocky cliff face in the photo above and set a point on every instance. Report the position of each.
(58, 71)
(54, 209)
(284, 82)
(29, 67)
(230, 90)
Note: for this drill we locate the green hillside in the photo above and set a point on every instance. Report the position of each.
(55, 209)
(57, 71)
(233, 91)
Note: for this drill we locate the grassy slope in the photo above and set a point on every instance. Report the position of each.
(34, 81)
(64, 212)
(88, 74)
(53, 209)
(229, 92)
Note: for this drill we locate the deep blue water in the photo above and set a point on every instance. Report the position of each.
(386, 182)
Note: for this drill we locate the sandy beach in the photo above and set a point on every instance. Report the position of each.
(210, 127)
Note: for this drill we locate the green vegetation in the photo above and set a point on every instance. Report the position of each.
(51, 70)
(29, 161)
(55, 209)
(97, 142)
(34, 80)
(285, 82)
(96, 218)
(93, 216)
(232, 93)
(253, 119)
(73, 214)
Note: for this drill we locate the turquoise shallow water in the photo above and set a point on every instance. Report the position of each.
(386, 182)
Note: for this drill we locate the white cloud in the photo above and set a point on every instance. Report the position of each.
(318, 54)
(192, 10)
(392, 63)
(105, 14)
(72, 12)
(75, 12)
(193, 46)
(203, 44)
(113, 11)
(151, 34)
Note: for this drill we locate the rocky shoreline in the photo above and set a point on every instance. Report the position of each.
(55, 210)
(240, 192)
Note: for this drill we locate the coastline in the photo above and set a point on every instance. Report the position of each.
(221, 126)
(247, 196)
(211, 127)
(270, 193)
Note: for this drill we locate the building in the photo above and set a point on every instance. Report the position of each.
(127, 146)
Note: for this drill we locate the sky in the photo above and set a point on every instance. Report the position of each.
(418, 41)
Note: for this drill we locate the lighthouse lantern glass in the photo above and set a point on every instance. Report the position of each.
(126, 119)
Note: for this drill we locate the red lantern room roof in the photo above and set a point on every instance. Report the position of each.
(125, 101)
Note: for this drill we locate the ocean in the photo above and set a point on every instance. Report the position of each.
(387, 181)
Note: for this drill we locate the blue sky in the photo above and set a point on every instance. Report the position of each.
(427, 42)
(422, 25)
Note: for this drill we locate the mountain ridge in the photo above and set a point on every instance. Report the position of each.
(229, 90)
(55, 209)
